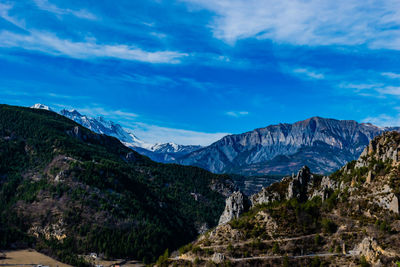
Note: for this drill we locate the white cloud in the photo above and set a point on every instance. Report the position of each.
(314, 22)
(237, 114)
(390, 90)
(361, 86)
(308, 73)
(157, 134)
(384, 120)
(50, 44)
(391, 75)
(373, 89)
(109, 113)
(47, 6)
(4, 9)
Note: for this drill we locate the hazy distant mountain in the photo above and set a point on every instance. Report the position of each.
(167, 152)
(322, 144)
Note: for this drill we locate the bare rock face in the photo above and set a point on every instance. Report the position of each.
(386, 199)
(235, 205)
(382, 148)
(218, 258)
(298, 186)
(224, 233)
(314, 139)
(264, 196)
(383, 151)
(326, 187)
(370, 249)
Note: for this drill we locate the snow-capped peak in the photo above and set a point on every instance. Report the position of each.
(168, 151)
(171, 148)
(41, 106)
(103, 126)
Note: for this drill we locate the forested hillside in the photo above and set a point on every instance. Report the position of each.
(67, 191)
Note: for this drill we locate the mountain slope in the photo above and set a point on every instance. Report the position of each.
(323, 144)
(102, 126)
(166, 153)
(349, 218)
(68, 191)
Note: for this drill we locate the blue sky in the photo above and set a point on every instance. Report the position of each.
(190, 71)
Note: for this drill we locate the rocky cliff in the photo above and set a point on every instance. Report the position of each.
(348, 218)
(322, 144)
(235, 205)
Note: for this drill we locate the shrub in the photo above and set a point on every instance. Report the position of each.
(328, 226)
(364, 262)
(317, 239)
(275, 248)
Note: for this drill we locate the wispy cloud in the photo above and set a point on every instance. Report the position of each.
(361, 86)
(50, 44)
(308, 73)
(390, 90)
(4, 13)
(34, 93)
(384, 120)
(157, 134)
(315, 22)
(237, 114)
(47, 6)
(97, 110)
(391, 75)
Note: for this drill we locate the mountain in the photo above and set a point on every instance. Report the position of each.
(322, 144)
(41, 106)
(102, 126)
(67, 191)
(350, 218)
(167, 152)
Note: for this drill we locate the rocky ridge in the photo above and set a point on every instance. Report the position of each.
(348, 218)
(323, 144)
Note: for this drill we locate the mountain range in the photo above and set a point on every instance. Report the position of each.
(165, 153)
(322, 144)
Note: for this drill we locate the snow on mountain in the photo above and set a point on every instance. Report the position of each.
(41, 106)
(102, 126)
(172, 148)
(167, 152)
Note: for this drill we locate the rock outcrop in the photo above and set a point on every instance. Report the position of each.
(235, 205)
(353, 211)
(298, 185)
(379, 161)
(266, 195)
(383, 148)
